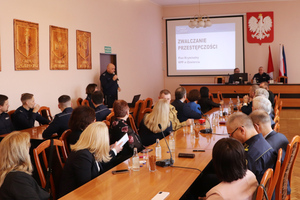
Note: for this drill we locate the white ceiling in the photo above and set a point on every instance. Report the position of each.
(187, 2)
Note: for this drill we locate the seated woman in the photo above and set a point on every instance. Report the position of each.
(89, 90)
(230, 164)
(119, 128)
(193, 97)
(85, 161)
(205, 102)
(149, 130)
(16, 181)
(81, 117)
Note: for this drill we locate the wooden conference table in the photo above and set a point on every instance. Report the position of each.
(144, 184)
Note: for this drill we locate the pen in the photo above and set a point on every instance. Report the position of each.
(198, 150)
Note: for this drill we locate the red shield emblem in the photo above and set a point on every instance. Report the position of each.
(260, 27)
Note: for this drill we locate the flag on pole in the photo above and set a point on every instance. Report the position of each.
(282, 64)
(270, 64)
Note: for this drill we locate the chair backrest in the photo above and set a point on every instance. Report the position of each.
(57, 169)
(285, 175)
(79, 101)
(280, 108)
(220, 96)
(132, 124)
(275, 174)
(219, 79)
(264, 183)
(45, 112)
(85, 103)
(148, 102)
(64, 138)
(141, 117)
(282, 79)
(110, 117)
(277, 127)
(11, 112)
(138, 108)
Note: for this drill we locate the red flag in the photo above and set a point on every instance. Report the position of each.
(270, 64)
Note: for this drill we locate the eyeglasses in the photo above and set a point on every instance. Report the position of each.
(231, 134)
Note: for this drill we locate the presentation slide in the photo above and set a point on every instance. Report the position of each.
(214, 50)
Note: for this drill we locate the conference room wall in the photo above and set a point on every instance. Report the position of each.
(132, 29)
(286, 31)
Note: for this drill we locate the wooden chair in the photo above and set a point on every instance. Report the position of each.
(79, 101)
(280, 108)
(11, 112)
(275, 174)
(57, 169)
(138, 108)
(132, 124)
(285, 175)
(45, 112)
(107, 123)
(282, 79)
(220, 96)
(219, 79)
(277, 127)
(64, 138)
(148, 102)
(264, 183)
(110, 117)
(85, 103)
(146, 110)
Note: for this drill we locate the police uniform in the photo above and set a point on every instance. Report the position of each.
(101, 112)
(110, 88)
(6, 125)
(261, 78)
(23, 119)
(260, 155)
(59, 123)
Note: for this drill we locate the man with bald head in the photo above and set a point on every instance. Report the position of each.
(110, 85)
(260, 155)
(261, 76)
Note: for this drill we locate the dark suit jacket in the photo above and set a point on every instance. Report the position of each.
(101, 112)
(148, 137)
(59, 123)
(277, 141)
(247, 109)
(184, 112)
(23, 119)
(6, 125)
(79, 169)
(207, 104)
(21, 186)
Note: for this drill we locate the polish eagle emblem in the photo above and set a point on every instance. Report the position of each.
(260, 26)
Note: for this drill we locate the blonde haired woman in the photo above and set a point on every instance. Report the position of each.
(84, 162)
(16, 181)
(149, 130)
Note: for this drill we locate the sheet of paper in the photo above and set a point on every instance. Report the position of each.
(123, 140)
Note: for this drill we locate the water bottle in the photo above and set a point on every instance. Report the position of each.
(230, 108)
(135, 160)
(238, 100)
(158, 150)
(172, 142)
(221, 112)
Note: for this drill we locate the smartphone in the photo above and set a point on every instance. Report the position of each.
(160, 196)
(120, 171)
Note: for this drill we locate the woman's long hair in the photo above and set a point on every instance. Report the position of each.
(159, 115)
(14, 154)
(95, 138)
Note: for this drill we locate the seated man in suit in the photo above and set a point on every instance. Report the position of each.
(246, 106)
(262, 124)
(231, 78)
(176, 124)
(101, 110)
(25, 116)
(260, 154)
(61, 120)
(261, 76)
(6, 125)
(184, 111)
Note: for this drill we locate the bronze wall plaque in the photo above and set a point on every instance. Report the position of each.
(83, 44)
(59, 48)
(26, 37)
